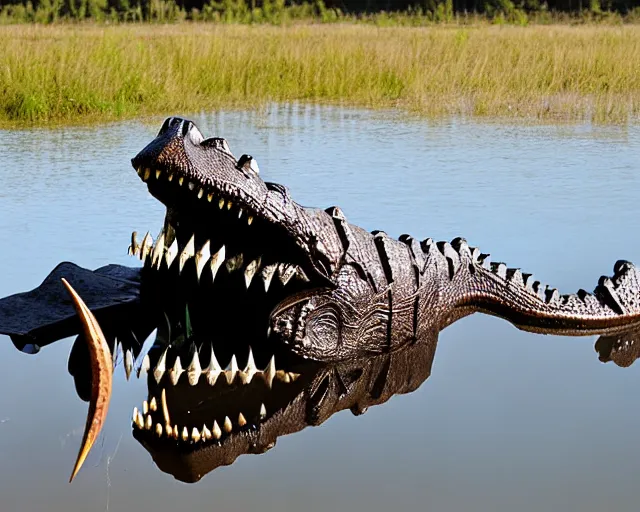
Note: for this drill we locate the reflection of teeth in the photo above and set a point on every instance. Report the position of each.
(231, 370)
(148, 422)
(194, 370)
(158, 430)
(128, 363)
(176, 371)
(165, 409)
(241, 420)
(213, 370)
(153, 405)
(161, 366)
(215, 431)
(174, 433)
(195, 435)
(206, 433)
(189, 251)
(263, 412)
(227, 425)
(168, 430)
(202, 256)
(139, 420)
(144, 366)
(185, 434)
(145, 408)
(134, 417)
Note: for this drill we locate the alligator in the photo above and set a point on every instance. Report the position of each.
(249, 263)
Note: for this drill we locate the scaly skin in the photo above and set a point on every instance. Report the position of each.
(381, 293)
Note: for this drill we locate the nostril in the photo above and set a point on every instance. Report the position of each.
(169, 122)
(190, 130)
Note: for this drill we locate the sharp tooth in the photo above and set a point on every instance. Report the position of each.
(158, 173)
(215, 430)
(153, 404)
(147, 243)
(250, 370)
(175, 434)
(180, 180)
(206, 433)
(202, 256)
(293, 376)
(194, 370)
(229, 205)
(191, 185)
(239, 212)
(134, 417)
(210, 197)
(171, 253)
(128, 363)
(170, 177)
(227, 426)
(145, 408)
(213, 370)
(221, 204)
(270, 372)
(165, 408)
(301, 275)
(249, 219)
(283, 376)
(139, 171)
(241, 421)
(267, 275)
(216, 261)
(189, 251)
(144, 366)
(147, 173)
(231, 370)
(263, 412)
(139, 420)
(195, 435)
(185, 434)
(176, 371)
(234, 263)
(161, 366)
(156, 255)
(250, 271)
(158, 430)
(134, 248)
(148, 422)
(286, 272)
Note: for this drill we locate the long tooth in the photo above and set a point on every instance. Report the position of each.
(148, 422)
(195, 435)
(147, 174)
(161, 366)
(185, 434)
(159, 430)
(165, 408)
(267, 275)
(139, 420)
(263, 412)
(176, 371)
(168, 430)
(145, 407)
(153, 404)
(134, 417)
(250, 271)
(175, 433)
(158, 173)
(213, 370)
(128, 363)
(202, 256)
(189, 251)
(215, 430)
(241, 420)
(216, 262)
(221, 204)
(231, 370)
(194, 370)
(134, 248)
(250, 370)
(286, 272)
(270, 372)
(171, 253)
(147, 243)
(206, 433)
(144, 366)
(156, 255)
(227, 426)
(235, 262)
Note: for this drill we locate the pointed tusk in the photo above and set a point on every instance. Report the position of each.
(101, 376)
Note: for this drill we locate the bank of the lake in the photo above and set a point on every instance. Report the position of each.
(72, 73)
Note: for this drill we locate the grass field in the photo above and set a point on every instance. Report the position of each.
(78, 73)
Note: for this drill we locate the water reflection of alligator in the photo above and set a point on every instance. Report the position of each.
(238, 259)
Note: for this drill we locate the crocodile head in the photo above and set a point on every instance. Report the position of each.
(257, 262)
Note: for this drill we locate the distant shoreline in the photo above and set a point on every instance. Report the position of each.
(71, 73)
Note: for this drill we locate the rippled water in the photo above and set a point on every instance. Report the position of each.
(507, 421)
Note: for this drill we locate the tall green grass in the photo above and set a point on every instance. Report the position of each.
(83, 72)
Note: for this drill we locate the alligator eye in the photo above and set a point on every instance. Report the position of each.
(190, 131)
(169, 122)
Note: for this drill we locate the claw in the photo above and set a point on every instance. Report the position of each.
(101, 377)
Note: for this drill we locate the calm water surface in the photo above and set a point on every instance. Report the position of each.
(508, 420)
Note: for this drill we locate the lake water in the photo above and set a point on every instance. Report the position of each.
(507, 421)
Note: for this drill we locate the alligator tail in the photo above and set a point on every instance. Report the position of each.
(613, 306)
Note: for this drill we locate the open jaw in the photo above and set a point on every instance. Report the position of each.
(222, 248)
